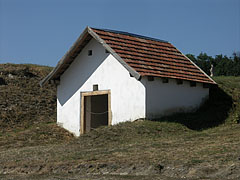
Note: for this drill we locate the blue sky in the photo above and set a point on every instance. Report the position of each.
(41, 31)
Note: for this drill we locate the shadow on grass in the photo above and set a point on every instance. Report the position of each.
(211, 114)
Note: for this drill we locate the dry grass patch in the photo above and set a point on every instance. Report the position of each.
(204, 144)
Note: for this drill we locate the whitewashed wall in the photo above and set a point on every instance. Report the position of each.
(130, 99)
(167, 98)
(127, 94)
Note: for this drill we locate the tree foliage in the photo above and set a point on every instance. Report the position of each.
(223, 65)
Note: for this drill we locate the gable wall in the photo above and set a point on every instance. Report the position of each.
(167, 98)
(127, 94)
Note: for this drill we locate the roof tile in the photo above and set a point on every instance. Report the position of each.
(152, 57)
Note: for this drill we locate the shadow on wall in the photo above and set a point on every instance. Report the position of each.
(211, 114)
(78, 73)
(166, 98)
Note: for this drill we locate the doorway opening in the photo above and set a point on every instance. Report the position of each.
(95, 110)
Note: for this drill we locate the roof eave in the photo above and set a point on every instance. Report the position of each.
(114, 54)
(213, 82)
(62, 61)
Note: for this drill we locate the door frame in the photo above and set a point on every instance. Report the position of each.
(94, 93)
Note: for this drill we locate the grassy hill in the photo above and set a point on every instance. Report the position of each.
(24, 105)
(204, 144)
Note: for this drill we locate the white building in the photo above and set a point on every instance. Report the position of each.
(109, 77)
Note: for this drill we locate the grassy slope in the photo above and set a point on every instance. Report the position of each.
(176, 146)
(27, 112)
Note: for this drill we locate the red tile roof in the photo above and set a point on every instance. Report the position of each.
(140, 55)
(152, 57)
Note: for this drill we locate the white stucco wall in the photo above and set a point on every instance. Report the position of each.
(127, 94)
(167, 98)
(130, 99)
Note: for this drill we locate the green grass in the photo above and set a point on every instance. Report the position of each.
(202, 144)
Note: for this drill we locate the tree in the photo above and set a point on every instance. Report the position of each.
(223, 65)
(236, 64)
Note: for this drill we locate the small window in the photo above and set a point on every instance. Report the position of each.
(164, 80)
(193, 84)
(150, 78)
(89, 52)
(95, 87)
(205, 85)
(179, 81)
(106, 51)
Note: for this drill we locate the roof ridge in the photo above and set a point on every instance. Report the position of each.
(131, 34)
